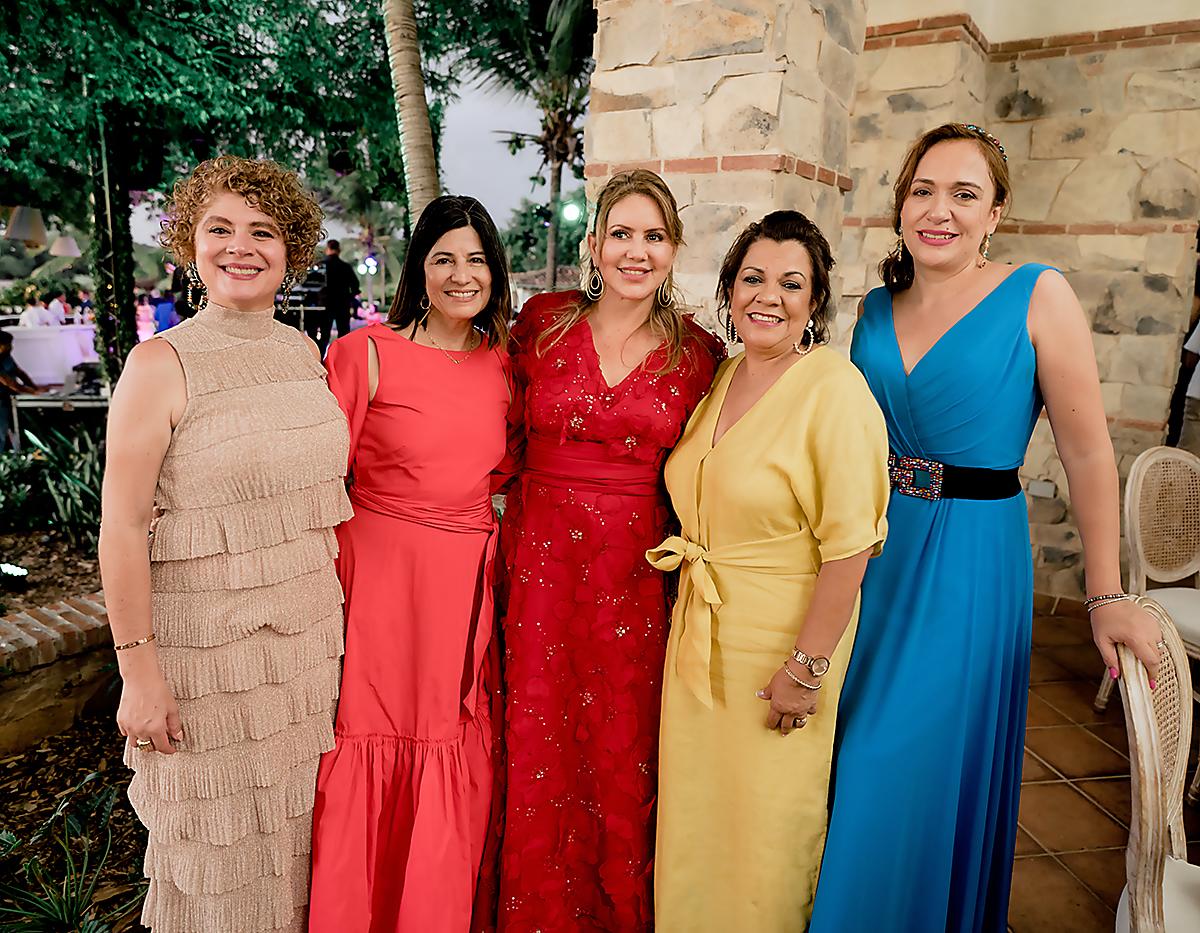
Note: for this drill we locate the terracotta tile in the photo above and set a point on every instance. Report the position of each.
(1076, 753)
(1074, 701)
(1034, 770)
(1041, 713)
(1042, 670)
(1045, 897)
(1113, 795)
(1083, 661)
(1103, 871)
(1026, 845)
(1061, 819)
(1112, 733)
(1057, 630)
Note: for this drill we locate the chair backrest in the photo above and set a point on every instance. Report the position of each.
(1162, 516)
(1159, 723)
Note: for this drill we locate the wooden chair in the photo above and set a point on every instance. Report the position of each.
(1162, 526)
(1162, 894)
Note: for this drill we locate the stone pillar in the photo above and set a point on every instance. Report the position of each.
(742, 105)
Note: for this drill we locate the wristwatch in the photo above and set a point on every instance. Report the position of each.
(818, 666)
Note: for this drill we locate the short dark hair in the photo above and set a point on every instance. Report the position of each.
(333, 245)
(441, 215)
(54, 293)
(6, 338)
(782, 227)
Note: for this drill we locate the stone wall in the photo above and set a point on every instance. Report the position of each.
(742, 105)
(1102, 131)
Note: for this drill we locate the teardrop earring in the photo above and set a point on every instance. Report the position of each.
(593, 286)
(810, 334)
(197, 291)
(730, 331)
(984, 249)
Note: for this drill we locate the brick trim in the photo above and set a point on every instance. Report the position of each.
(960, 27)
(40, 636)
(707, 165)
(1028, 227)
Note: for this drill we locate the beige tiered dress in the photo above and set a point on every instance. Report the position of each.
(247, 611)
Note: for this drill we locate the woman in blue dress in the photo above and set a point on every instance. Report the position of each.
(961, 354)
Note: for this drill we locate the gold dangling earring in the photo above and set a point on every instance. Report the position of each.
(285, 289)
(196, 284)
(666, 293)
(593, 285)
(731, 331)
(898, 249)
(984, 248)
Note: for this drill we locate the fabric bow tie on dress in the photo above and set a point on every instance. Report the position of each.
(700, 598)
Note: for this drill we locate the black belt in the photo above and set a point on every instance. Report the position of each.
(928, 479)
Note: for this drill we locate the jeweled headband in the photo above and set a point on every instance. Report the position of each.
(980, 131)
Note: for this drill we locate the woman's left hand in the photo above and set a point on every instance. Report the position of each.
(1126, 623)
(789, 703)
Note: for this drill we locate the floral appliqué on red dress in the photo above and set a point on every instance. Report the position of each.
(586, 625)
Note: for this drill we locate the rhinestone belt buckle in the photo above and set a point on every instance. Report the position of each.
(913, 476)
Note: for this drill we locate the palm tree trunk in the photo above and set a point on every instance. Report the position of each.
(412, 112)
(556, 168)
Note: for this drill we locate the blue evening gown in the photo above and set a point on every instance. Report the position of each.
(928, 759)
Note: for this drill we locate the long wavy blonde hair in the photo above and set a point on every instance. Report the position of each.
(666, 319)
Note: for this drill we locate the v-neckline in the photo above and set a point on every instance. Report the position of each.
(948, 331)
(591, 342)
(719, 404)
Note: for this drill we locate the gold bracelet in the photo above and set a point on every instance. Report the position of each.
(134, 644)
(797, 681)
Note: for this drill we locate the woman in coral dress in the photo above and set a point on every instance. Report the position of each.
(610, 379)
(404, 801)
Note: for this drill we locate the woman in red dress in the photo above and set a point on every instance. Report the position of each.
(404, 800)
(610, 377)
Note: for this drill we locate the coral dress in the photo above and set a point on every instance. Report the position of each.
(248, 616)
(586, 627)
(924, 819)
(800, 479)
(404, 802)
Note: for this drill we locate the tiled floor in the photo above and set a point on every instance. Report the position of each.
(1075, 803)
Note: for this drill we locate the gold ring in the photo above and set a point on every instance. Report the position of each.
(1161, 646)
(798, 722)
(142, 743)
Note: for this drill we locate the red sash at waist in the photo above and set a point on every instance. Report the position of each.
(586, 466)
(476, 517)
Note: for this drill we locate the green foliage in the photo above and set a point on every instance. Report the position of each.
(52, 877)
(526, 234)
(55, 486)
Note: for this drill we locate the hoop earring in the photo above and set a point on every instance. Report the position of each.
(593, 287)
(666, 293)
(984, 249)
(423, 304)
(730, 331)
(810, 332)
(197, 291)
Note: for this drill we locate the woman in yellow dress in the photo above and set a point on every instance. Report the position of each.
(780, 483)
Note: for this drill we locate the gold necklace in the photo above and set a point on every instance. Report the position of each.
(446, 353)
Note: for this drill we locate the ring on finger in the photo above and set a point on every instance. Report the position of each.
(1160, 645)
(799, 722)
(142, 743)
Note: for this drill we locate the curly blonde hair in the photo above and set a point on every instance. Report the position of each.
(266, 186)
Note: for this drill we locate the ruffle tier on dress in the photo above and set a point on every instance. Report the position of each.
(247, 611)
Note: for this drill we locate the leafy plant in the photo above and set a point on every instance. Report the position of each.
(74, 468)
(20, 478)
(56, 872)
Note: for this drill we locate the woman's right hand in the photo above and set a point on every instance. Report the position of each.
(148, 711)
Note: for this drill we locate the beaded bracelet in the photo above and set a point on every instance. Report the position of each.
(797, 681)
(1095, 602)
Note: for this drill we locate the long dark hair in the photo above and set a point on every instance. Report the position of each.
(896, 269)
(441, 215)
(781, 227)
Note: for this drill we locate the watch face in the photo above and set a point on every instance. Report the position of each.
(819, 666)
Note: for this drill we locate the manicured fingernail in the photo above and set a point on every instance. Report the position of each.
(1114, 672)
(1153, 684)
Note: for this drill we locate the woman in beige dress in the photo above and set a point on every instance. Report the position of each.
(229, 628)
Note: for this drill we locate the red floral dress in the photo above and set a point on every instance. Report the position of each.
(586, 626)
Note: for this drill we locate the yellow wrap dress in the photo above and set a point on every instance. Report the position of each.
(799, 479)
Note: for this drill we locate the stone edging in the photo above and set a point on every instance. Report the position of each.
(960, 27)
(708, 165)
(36, 637)
(1123, 228)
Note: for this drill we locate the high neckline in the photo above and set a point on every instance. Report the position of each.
(250, 325)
